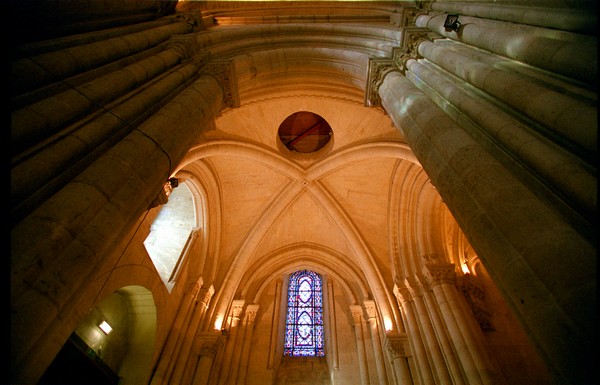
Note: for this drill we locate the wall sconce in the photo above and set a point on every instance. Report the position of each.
(106, 328)
(451, 23)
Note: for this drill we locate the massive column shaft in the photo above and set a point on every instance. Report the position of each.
(514, 233)
(87, 217)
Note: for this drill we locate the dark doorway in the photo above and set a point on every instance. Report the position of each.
(77, 364)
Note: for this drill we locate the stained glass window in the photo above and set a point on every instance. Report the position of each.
(304, 320)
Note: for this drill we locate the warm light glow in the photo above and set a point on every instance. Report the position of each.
(218, 323)
(106, 328)
(387, 322)
(465, 268)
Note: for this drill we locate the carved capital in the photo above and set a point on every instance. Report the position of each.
(224, 72)
(397, 345)
(377, 69)
(357, 312)
(192, 19)
(413, 287)
(185, 45)
(409, 49)
(370, 308)
(205, 294)
(236, 308)
(193, 287)
(407, 16)
(441, 273)
(251, 312)
(210, 343)
(402, 294)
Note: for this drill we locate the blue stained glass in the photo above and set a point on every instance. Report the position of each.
(304, 320)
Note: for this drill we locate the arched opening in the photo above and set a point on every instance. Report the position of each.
(112, 345)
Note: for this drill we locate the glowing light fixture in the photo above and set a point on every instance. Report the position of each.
(106, 328)
(387, 322)
(465, 267)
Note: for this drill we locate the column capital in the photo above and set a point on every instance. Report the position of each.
(193, 287)
(407, 17)
(397, 345)
(441, 273)
(402, 293)
(357, 312)
(370, 309)
(209, 342)
(251, 312)
(409, 49)
(377, 69)
(236, 307)
(224, 72)
(205, 294)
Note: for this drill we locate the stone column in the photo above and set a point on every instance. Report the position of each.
(559, 48)
(443, 275)
(251, 312)
(232, 340)
(441, 333)
(371, 310)
(421, 359)
(563, 171)
(438, 364)
(275, 324)
(176, 335)
(48, 164)
(210, 343)
(572, 119)
(88, 217)
(332, 326)
(32, 72)
(398, 347)
(185, 368)
(515, 233)
(357, 311)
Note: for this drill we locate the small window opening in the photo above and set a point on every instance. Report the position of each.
(305, 132)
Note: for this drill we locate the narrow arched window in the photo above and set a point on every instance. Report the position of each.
(172, 232)
(304, 321)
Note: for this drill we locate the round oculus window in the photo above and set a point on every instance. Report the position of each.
(305, 132)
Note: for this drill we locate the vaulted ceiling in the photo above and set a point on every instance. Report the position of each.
(361, 208)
